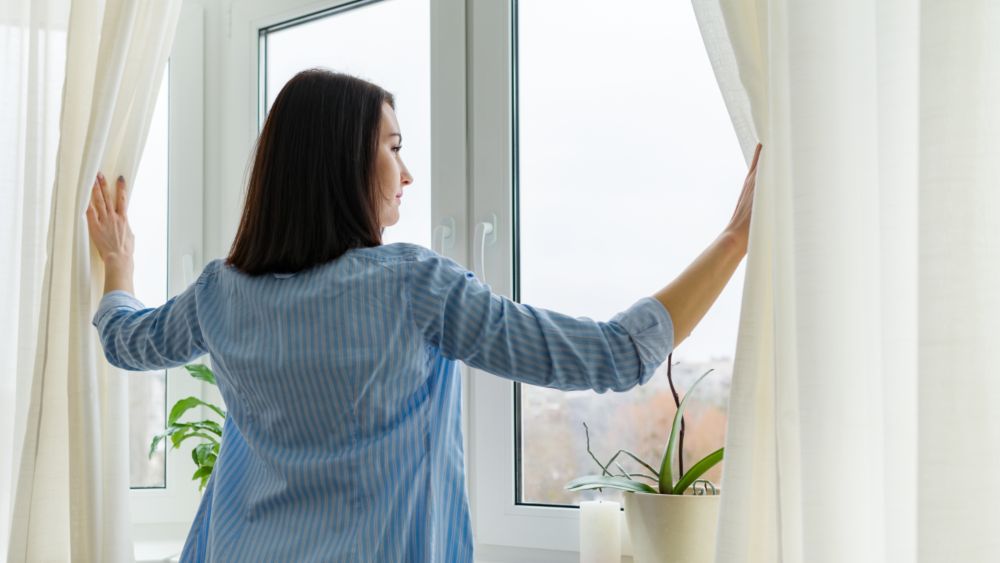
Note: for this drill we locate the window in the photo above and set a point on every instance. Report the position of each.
(628, 168)
(601, 145)
(148, 217)
(166, 212)
(387, 43)
(625, 167)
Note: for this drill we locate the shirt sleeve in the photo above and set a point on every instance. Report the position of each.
(468, 322)
(138, 338)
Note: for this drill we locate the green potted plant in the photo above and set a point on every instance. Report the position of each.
(208, 432)
(672, 520)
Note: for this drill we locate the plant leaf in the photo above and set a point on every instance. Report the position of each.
(202, 452)
(205, 425)
(697, 470)
(604, 481)
(171, 430)
(666, 472)
(210, 425)
(183, 405)
(178, 437)
(202, 372)
(202, 473)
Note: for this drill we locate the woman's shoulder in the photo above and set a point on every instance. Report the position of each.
(420, 263)
(210, 271)
(395, 252)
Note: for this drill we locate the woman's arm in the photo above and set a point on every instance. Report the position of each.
(133, 336)
(138, 338)
(107, 220)
(691, 294)
(466, 321)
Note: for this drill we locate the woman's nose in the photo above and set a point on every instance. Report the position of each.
(405, 176)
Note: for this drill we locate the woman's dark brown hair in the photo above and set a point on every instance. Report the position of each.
(312, 195)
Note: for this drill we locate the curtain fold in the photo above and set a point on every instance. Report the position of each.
(32, 62)
(67, 490)
(863, 386)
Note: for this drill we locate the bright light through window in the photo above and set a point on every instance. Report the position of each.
(148, 217)
(629, 168)
(387, 43)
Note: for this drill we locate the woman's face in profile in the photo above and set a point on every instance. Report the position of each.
(390, 172)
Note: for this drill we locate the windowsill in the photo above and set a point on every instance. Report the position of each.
(508, 554)
(159, 543)
(162, 543)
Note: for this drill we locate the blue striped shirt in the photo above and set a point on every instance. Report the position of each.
(343, 440)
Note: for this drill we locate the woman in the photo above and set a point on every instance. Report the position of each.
(335, 354)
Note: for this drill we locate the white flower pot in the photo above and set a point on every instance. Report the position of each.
(672, 528)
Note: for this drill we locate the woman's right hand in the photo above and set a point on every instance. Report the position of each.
(739, 225)
(690, 295)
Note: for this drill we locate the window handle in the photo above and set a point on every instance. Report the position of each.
(485, 234)
(443, 237)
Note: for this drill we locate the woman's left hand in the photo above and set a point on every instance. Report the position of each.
(107, 220)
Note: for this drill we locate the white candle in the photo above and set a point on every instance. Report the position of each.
(600, 535)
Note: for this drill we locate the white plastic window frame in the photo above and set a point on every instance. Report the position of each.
(503, 527)
(166, 512)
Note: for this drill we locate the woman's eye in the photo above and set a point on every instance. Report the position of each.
(397, 149)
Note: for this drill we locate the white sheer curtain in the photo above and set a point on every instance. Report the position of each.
(863, 420)
(32, 62)
(79, 85)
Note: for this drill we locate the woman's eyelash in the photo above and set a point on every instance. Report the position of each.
(397, 148)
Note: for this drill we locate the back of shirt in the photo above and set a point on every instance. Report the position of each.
(317, 359)
(351, 420)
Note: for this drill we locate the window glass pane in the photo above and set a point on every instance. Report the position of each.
(148, 217)
(628, 169)
(387, 43)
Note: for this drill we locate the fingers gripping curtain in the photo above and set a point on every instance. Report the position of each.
(70, 478)
(865, 383)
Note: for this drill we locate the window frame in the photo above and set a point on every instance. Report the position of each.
(505, 529)
(500, 521)
(175, 504)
